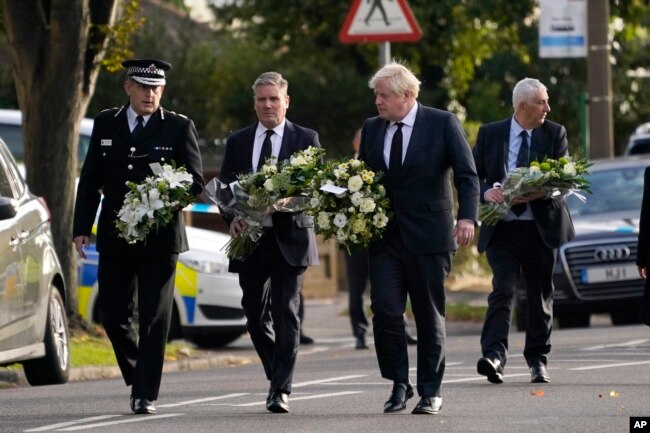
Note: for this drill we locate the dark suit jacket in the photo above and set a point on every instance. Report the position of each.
(643, 246)
(491, 156)
(294, 232)
(110, 163)
(423, 198)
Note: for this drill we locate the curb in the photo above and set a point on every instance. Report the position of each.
(12, 378)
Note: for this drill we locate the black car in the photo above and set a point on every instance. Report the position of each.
(596, 272)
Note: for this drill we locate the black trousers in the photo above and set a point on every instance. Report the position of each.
(148, 281)
(357, 272)
(394, 274)
(276, 340)
(516, 246)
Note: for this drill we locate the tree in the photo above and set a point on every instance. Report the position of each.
(56, 50)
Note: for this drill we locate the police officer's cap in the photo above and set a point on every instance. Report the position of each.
(150, 72)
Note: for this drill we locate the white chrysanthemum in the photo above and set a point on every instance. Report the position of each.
(340, 220)
(367, 205)
(380, 220)
(323, 220)
(355, 183)
(569, 168)
(268, 185)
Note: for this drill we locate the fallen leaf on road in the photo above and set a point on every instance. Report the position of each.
(538, 393)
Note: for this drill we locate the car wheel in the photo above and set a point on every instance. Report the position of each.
(625, 316)
(214, 341)
(575, 320)
(54, 367)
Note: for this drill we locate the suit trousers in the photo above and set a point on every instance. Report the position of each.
(515, 247)
(277, 341)
(145, 282)
(394, 274)
(356, 266)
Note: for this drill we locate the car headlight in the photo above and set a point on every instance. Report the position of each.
(205, 266)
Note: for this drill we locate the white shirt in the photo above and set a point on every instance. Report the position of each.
(407, 130)
(513, 150)
(276, 142)
(131, 115)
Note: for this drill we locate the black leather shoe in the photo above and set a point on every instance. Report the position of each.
(361, 342)
(428, 406)
(491, 368)
(411, 340)
(538, 374)
(399, 395)
(142, 406)
(278, 402)
(306, 340)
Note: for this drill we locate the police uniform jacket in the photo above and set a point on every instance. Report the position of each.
(114, 158)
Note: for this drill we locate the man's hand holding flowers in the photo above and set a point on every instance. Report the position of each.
(547, 179)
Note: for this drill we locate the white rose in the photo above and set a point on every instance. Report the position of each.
(323, 220)
(268, 185)
(358, 226)
(367, 205)
(355, 183)
(569, 168)
(314, 202)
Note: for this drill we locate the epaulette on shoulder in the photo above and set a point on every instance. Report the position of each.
(178, 114)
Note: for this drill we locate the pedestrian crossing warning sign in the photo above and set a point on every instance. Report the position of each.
(380, 21)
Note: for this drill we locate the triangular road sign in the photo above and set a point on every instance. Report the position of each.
(380, 21)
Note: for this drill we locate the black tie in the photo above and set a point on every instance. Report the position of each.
(138, 127)
(395, 161)
(522, 161)
(266, 149)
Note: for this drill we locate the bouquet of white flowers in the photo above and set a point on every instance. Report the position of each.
(275, 187)
(150, 204)
(349, 203)
(556, 178)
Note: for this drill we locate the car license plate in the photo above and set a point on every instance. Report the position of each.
(608, 274)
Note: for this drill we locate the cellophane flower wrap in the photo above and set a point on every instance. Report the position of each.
(556, 177)
(276, 187)
(349, 203)
(153, 203)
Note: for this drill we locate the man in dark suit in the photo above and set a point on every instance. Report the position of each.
(526, 239)
(124, 145)
(417, 147)
(287, 246)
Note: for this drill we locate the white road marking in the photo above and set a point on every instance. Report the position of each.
(121, 421)
(332, 379)
(203, 400)
(307, 397)
(620, 364)
(624, 344)
(476, 378)
(69, 423)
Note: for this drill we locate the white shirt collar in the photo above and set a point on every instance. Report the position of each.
(131, 115)
(409, 119)
(278, 130)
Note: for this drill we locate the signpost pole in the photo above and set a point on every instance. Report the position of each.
(384, 53)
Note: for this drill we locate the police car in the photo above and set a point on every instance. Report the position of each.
(207, 299)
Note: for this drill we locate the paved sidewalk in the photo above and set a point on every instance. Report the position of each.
(326, 321)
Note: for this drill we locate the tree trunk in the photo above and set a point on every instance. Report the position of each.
(56, 52)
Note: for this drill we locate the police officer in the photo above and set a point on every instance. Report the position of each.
(126, 144)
